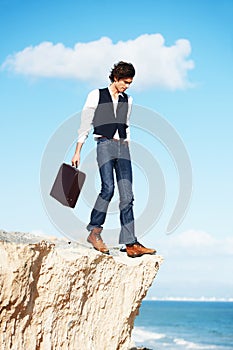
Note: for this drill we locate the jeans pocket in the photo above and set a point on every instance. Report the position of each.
(102, 140)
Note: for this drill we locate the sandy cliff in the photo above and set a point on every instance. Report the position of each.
(60, 296)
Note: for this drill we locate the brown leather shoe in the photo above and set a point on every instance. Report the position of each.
(137, 249)
(95, 239)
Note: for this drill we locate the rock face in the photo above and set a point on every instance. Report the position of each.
(60, 296)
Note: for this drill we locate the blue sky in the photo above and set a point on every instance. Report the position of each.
(33, 103)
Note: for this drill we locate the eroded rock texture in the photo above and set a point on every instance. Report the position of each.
(60, 296)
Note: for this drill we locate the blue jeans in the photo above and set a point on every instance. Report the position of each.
(114, 156)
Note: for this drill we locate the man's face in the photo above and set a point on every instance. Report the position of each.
(122, 84)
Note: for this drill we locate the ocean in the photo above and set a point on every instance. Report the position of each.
(184, 325)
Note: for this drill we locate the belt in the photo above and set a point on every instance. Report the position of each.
(104, 137)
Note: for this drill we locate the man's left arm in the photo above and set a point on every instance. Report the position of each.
(130, 102)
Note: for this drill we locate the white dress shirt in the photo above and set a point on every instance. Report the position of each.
(88, 112)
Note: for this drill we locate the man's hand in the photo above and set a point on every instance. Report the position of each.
(76, 160)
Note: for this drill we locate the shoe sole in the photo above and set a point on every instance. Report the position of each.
(138, 255)
(107, 252)
(135, 256)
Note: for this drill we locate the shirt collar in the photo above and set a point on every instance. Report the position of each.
(119, 94)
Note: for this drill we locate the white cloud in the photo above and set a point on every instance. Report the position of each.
(197, 243)
(156, 64)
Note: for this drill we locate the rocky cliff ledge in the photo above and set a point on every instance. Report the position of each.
(56, 295)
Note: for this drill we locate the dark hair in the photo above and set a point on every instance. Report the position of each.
(122, 70)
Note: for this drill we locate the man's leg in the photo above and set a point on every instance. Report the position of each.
(123, 170)
(98, 214)
(124, 180)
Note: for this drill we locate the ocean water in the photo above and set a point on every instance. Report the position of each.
(184, 325)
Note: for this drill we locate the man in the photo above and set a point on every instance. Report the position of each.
(108, 111)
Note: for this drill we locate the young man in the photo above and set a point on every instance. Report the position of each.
(108, 111)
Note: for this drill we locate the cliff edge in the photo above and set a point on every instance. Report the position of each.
(56, 295)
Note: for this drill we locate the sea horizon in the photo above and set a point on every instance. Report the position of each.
(198, 299)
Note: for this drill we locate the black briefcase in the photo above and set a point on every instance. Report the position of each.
(67, 185)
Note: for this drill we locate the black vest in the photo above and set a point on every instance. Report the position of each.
(105, 122)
